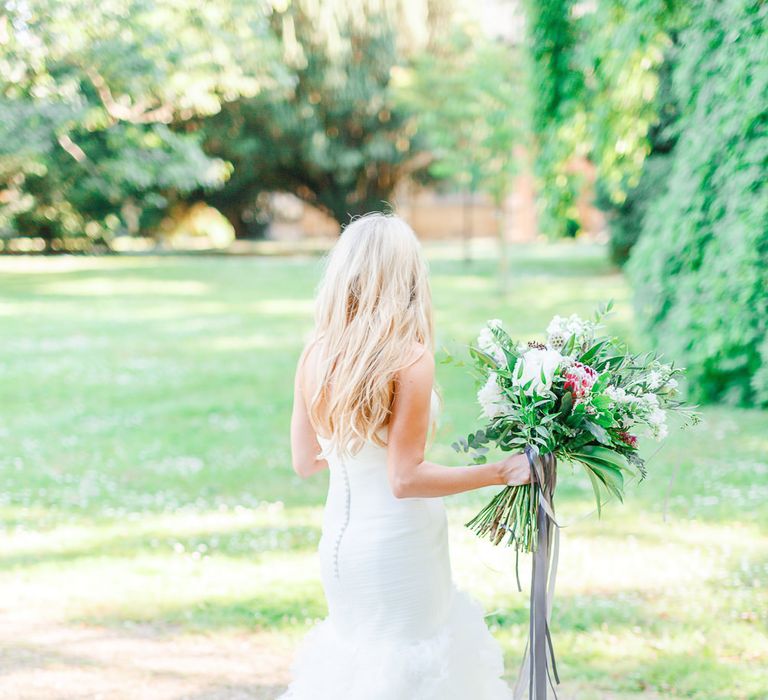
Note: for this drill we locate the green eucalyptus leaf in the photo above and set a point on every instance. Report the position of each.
(596, 488)
(592, 352)
(483, 357)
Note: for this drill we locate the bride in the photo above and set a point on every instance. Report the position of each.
(397, 627)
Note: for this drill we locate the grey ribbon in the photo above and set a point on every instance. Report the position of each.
(539, 655)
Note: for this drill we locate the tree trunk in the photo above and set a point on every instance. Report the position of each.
(234, 214)
(467, 225)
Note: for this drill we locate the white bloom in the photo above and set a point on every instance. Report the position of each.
(655, 381)
(490, 397)
(624, 402)
(487, 342)
(620, 396)
(660, 378)
(560, 329)
(650, 401)
(556, 340)
(644, 407)
(532, 364)
(657, 423)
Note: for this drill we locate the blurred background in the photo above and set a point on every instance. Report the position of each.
(171, 173)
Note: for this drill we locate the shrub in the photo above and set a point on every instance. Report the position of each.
(700, 268)
(625, 220)
(626, 217)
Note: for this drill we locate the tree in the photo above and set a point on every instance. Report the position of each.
(93, 91)
(626, 56)
(557, 120)
(333, 135)
(130, 106)
(700, 267)
(471, 101)
(626, 195)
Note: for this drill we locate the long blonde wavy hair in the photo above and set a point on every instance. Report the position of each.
(373, 306)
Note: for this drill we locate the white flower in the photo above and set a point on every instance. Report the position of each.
(650, 401)
(532, 364)
(655, 380)
(644, 407)
(557, 340)
(560, 329)
(657, 423)
(620, 396)
(491, 399)
(624, 402)
(487, 342)
(660, 379)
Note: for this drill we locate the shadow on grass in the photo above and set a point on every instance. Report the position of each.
(299, 606)
(582, 612)
(699, 676)
(21, 657)
(296, 608)
(247, 542)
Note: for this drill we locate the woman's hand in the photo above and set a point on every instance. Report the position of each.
(515, 470)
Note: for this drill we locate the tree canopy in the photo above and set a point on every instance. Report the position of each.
(111, 113)
(90, 96)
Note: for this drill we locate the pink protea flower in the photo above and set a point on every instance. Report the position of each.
(626, 438)
(579, 379)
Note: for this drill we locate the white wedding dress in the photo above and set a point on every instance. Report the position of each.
(397, 627)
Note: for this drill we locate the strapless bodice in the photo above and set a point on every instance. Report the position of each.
(370, 454)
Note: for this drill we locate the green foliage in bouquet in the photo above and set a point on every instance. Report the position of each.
(580, 397)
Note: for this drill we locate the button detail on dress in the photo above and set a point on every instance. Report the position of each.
(345, 521)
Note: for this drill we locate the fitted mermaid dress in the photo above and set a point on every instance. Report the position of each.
(397, 626)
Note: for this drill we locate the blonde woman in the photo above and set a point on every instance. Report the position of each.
(397, 628)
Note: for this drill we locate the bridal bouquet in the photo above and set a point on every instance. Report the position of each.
(581, 397)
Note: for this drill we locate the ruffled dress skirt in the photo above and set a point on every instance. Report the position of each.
(462, 661)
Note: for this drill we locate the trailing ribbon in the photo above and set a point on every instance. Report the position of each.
(539, 655)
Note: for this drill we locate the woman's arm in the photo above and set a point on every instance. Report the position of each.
(304, 444)
(409, 474)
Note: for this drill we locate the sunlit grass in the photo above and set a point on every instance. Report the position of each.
(146, 473)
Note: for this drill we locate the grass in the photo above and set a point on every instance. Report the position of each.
(146, 472)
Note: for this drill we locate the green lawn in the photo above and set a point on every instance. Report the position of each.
(146, 473)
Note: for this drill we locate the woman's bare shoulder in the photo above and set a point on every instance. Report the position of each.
(305, 367)
(308, 353)
(420, 368)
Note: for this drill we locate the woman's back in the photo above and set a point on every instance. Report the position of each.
(384, 560)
